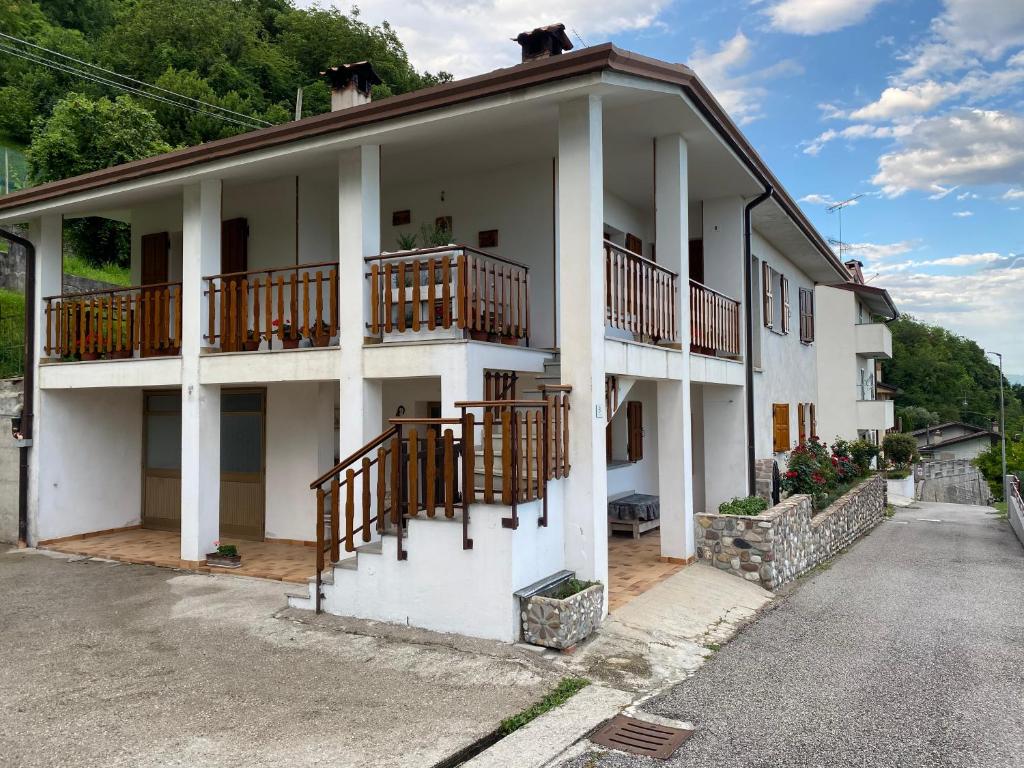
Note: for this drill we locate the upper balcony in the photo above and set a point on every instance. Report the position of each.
(875, 414)
(873, 340)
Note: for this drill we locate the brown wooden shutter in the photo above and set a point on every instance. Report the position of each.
(634, 244)
(814, 421)
(635, 430)
(806, 316)
(801, 424)
(784, 290)
(767, 292)
(780, 427)
(155, 251)
(234, 246)
(697, 260)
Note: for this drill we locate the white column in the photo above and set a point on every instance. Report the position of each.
(200, 405)
(46, 235)
(358, 237)
(581, 328)
(675, 441)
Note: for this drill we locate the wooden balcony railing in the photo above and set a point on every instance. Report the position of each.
(714, 322)
(640, 295)
(279, 306)
(459, 287)
(114, 324)
(442, 466)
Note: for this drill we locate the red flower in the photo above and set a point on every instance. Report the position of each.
(791, 473)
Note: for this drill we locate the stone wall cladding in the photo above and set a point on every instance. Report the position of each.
(954, 481)
(10, 405)
(783, 542)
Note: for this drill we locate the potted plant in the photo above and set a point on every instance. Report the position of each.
(252, 341)
(225, 556)
(288, 342)
(406, 241)
(90, 341)
(318, 333)
(564, 615)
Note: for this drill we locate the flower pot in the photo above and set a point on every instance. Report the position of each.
(90, 355)
(122, 354)
(251, 345)
(320, 341)
(479, 335)
(561, 624)
(290, 343)
(512, 341)
(217, 560)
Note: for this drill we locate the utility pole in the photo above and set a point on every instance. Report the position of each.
(1002, 423)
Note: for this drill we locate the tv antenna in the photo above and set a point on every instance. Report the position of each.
(838, 207)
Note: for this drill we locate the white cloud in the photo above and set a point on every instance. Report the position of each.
(470, 38)
(963, 214)
(964, 147)
(896, 102)
(941, 192)
(722, 70)
(984, 306)
(814, 17)
(967, 196)
(1013, 193)
(877, 254)
(858, 131)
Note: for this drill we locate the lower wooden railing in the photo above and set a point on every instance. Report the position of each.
(280, 306)
(714, 322)
(640, 295)
(450, 287)
(114, 324)
(496, 452)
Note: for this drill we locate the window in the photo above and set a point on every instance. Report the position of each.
(775, 303)
(806, 316)
(780, 427)
(635, 431)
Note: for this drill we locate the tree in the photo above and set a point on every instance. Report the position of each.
(990, 462)
(915, 417)
(85, 134)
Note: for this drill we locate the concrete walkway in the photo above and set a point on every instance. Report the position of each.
(107, 664)
(907, 651)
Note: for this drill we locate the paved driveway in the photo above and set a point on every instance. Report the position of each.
(122, 665)
(908, 651)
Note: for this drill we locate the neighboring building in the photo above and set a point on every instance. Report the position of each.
(954, 440)
(852, 401)
(585, 339)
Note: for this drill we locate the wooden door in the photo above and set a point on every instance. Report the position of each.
(161, 461)
(156, 249)
(242, 463)
(234, 258)
(697, 260)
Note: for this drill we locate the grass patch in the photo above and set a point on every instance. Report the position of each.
(714, 647)
(1002, 512)
(569, 588)
(12, 333)
(567, 688)
(751, 505)
(890, 510)
(108, 273)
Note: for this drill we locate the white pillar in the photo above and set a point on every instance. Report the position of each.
(326, 442)
(46, 235)
(675, 440)
(200, 405)
(358, 237)
(581, 328)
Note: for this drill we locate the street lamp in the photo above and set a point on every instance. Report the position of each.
(1002, 422)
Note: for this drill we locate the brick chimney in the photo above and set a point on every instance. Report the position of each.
(543, 42)
(351, 84)
(857, 270)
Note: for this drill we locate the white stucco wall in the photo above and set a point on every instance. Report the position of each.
(968, 449)
(89, 461)
(835, 349)
(149, 218)
(788, 372)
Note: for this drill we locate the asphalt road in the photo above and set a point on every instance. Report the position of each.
(907, 651)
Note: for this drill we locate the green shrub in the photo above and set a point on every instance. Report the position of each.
(810, 470)
(900, 449)
(898, 474)
(863, 453)
(567, 688)
(751, 505)
(569, 588)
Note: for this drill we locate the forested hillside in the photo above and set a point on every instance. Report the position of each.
(945, 377)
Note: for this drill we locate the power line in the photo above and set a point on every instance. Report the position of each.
(33, 58)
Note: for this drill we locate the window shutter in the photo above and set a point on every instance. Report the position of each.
(767, 292)
(635, 430)
(634, 244)
(780, 427)
(801, 424)
(806, 316)
(784, 290)
(814, 421)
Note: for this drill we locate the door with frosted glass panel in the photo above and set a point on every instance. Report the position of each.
(161, 465)
(242, 470)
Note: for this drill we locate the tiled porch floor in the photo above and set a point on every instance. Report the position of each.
(275, 560)
(634, 566)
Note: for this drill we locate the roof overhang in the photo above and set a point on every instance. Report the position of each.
(877, 299)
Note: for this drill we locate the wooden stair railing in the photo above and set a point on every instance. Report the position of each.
(284, 303)
(456, 286)
(429, 466)
(114, 323)
(500, 385)
(640, 295)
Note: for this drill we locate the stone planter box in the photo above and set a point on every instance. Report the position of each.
(562, 624)
(223, 561)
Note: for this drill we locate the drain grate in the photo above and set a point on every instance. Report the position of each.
(641, 738)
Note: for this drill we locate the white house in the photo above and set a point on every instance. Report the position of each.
(852, 315)
(607, 303)
(954, 440)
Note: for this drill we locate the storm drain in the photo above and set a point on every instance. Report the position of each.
(637, 737)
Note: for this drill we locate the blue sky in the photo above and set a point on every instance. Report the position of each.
(917, 105)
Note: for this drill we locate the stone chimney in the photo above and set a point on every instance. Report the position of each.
(351, 84)
(857, 270)
(544, 42)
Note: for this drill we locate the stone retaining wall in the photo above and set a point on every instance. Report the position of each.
(781, 543)
(10, 405)
(954, 481)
